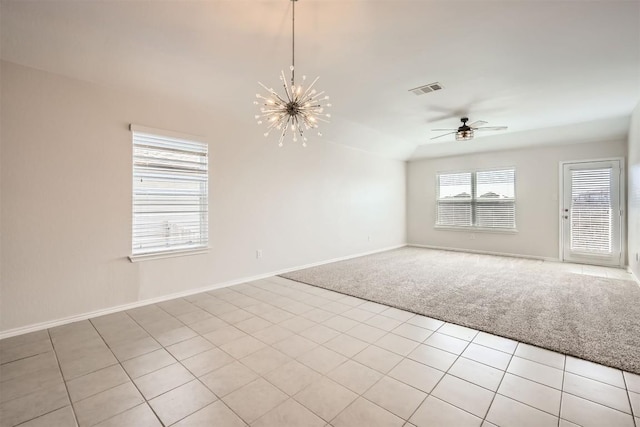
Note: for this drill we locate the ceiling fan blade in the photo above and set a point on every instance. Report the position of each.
(443, 130)
(444, 134)
(492, 128)
(477, 123)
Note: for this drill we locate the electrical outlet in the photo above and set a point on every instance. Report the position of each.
(368, 238)
(258, 253)
(637, 257)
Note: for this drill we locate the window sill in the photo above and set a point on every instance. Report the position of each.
(171, 254)
(477, 229)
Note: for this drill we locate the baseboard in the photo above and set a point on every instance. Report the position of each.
(475, 251)
(84, 316)
(633, 275)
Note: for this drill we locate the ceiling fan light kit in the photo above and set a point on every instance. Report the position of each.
(299, 109)
(464, 135)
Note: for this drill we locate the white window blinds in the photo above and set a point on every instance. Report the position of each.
(591, 209)
(495, 199)
(454, 200)
(170, 206)
(483, 199)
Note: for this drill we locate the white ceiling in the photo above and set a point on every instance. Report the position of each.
(537, 66)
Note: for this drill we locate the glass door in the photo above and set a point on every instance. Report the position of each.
(591, 215)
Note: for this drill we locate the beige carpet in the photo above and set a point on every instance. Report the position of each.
(536, 302)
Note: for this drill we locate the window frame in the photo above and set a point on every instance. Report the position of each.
(474, 201)
(171, 252)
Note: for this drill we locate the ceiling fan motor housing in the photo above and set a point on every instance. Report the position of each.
(464, 126)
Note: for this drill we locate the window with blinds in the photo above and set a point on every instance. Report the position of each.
(170, 206)
(455, 200)
(591, 210)
(482, 199)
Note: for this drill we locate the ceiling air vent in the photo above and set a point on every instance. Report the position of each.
(431, 87)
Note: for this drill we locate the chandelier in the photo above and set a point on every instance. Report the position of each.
(299, 109)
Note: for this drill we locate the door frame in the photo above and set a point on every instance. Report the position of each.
(622, 200)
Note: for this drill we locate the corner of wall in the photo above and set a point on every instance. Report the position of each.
(633, 193)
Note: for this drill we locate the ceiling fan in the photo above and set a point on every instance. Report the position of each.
(465, 132)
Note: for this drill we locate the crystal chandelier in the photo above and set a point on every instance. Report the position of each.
(299, 110)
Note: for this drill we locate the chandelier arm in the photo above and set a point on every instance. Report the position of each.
(286, 87)
(279, 101)
(273, 125)
(316, 95)
(281, 138)
(284, 130)
(320, 119)
(308, 91)
(295, 126)
(267, 113)
(271, 91)
(275, 102)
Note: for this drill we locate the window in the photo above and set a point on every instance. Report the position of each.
(482, 199)
(591, 210)
(170, 207)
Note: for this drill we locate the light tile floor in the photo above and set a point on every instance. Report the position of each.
(280, 353)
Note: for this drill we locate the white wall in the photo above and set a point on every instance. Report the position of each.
(537, 208)
(633, 191)
(66, 199)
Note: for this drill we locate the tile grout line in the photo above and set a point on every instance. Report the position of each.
(564, 371)
(633, 414)
(325, 376)
(405, 358)
(181, 364)
(64, 381)
(127, 374)
(30, 355)
(219, 398)
(504, 374)
(562, 392)
(599, 403)
(361, 395)
(293, 359)
(444, 375)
